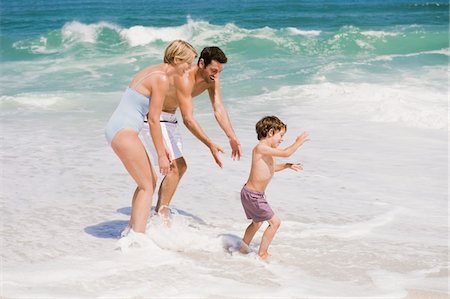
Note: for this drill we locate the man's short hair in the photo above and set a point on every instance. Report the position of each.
(209, 54)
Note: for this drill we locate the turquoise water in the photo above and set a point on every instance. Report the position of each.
(269, 44)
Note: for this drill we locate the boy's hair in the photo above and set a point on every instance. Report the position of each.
(209, 54)
(179, 49)
(266, 123)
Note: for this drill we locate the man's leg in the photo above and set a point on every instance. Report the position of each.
(169, 185)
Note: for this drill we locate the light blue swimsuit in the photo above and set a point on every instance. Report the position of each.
(130, 113)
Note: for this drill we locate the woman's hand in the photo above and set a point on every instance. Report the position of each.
(164, 163)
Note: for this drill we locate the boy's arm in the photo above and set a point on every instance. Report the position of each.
(223, 120)
(293, 166)
(284, 153)
(184, 98)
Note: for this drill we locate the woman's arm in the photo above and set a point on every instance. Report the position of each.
(159, 90)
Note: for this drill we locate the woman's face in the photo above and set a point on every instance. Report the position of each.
(183, 66)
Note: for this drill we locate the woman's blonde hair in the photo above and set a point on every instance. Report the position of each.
(180, 49)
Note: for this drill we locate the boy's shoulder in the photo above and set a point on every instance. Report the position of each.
(258, 147)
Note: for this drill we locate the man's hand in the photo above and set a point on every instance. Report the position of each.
(235, 149)
(215, 149)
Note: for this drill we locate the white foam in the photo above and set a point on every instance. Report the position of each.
(198, 32)
(379, 34)
(410, 102)
(350, 230)
(364, 45)
(296, 31)
(84, 32)
(181, 234)
(132, 239)
(40, 48)
(39, 101)
(140, 35)
(390, 281)
(393, 56)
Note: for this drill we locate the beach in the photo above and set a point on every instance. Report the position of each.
(366, 218)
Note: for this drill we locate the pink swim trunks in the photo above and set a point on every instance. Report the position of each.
(255, 205)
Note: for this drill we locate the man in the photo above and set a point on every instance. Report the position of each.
(201, 77)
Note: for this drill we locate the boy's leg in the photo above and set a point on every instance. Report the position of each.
(248, 236)
(269, 233)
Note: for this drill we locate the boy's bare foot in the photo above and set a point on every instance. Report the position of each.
(264, 255)
(244, 248)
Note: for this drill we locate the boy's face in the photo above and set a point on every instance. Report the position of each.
(277, 138)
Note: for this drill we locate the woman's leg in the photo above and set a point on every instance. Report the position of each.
(129, 148)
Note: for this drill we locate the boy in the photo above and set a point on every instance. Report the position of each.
(270, 132)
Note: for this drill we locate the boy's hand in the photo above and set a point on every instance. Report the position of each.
(302, 138)
(215, 149)
(295, 166)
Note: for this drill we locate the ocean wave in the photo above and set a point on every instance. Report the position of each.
(56, 102)
(141, 35)
(409, 102)
(349, 230)
(348, 40)
(87, 33)
(296, 31)
(44, 102)
(445, 52)
(378, 34)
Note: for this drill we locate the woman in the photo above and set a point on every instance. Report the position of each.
(146, 94)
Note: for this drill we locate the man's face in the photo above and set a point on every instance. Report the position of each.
(212, 71)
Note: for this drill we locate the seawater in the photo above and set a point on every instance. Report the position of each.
(368, 80)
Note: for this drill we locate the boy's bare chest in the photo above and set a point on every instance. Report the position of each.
(269, 163)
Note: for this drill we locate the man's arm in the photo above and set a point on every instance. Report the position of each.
(222, 118)
(184, 98)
